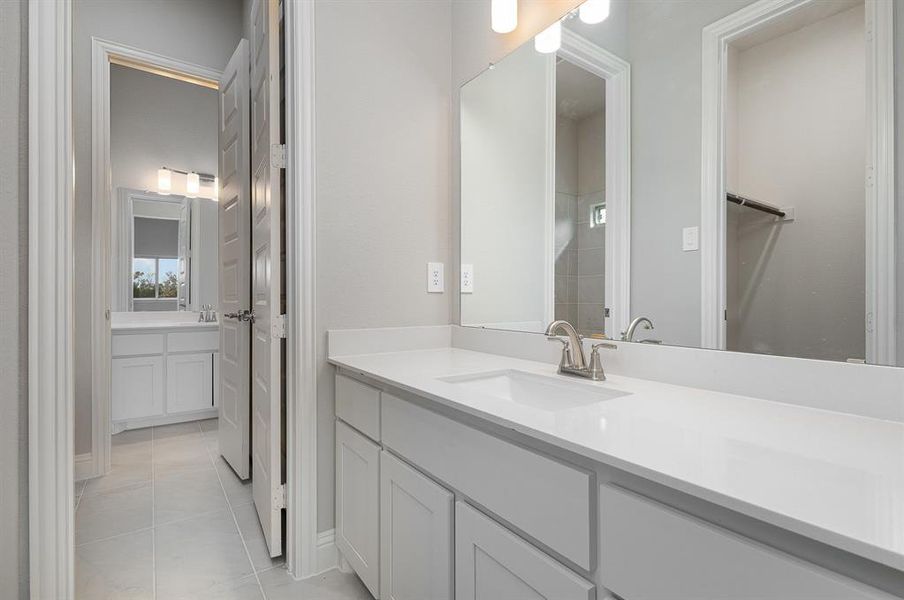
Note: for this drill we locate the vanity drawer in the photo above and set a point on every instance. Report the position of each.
(544, 498)
(358, 405)
(137, 344)
(648, 550)
(193, 341)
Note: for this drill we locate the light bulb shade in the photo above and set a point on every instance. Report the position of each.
(192, 183)
(594, 11)
(216, 188)
(503, 15)
(550, 39)
(164, 180)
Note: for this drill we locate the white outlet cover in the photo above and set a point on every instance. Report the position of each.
(690, 239)
(467, 279)
(435, 278)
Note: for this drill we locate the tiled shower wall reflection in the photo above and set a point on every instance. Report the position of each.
(580, 249)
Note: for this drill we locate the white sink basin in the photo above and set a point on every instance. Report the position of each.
(535, 391)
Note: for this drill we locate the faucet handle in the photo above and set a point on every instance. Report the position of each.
(596, 365)
(566, 360)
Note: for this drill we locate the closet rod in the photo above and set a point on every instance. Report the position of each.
(754, 204)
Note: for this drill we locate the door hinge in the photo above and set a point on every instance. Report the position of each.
(278, 329)
(279, 497)
(278, 156)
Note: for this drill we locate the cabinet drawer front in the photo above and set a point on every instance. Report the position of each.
(137, 387)
(544, 498)
(415, 534)
(651, 551)
(358, 405)
(137, 344)
(193, 341)
(492, 562)
(358, 504)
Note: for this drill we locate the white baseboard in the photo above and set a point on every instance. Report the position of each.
(327, 555)
(84, 467)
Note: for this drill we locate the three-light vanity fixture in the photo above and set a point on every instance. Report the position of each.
(192, 182)
(504, 19)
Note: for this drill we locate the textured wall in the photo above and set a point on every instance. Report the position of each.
(14, 299)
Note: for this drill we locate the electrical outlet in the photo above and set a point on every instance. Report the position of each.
(690, 239)
(435, 278)
(467, 279)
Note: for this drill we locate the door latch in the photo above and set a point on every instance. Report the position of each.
(242, 315)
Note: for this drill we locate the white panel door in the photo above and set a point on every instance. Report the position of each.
(415, 534)
(358, 504)
(189, 382)
(235, 263)
(492, 563)
(266, 275)
(137, 386)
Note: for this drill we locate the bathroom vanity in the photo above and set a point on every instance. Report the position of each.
(164, 369)
(464, 474)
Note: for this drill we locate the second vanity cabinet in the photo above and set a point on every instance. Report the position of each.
(433, 507)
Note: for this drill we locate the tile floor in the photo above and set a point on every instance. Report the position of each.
(172, 521)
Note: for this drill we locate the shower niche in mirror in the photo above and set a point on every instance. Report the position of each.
(648, 188)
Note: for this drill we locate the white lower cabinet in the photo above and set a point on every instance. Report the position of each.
(494, 563)
(137, 384)
(415, 534)
(189, 382)
(358, 504)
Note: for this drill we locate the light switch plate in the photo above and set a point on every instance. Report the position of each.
(690, 239)
(467, 279)
(435, 278)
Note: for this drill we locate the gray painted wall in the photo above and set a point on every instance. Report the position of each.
(204, 32)
(382, 144)
(14, 300)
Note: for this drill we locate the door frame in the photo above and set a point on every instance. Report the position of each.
(879, 179)
(617, 74)
(103, 212)
(50, 276)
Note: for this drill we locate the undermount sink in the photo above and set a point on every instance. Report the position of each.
(535, 391)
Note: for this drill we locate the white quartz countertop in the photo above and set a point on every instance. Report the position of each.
(833, 477)
(129, 326)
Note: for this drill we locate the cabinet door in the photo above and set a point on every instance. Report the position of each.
(358, 504)
(137, 387)
(415, 534)
(189, 382)
(494, 563)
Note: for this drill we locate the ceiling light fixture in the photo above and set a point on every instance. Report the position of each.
(594, 11)
(550, 39)
(504, 15)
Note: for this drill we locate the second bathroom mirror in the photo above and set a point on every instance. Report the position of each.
(649, 188)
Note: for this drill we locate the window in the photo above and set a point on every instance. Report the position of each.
(155, 277)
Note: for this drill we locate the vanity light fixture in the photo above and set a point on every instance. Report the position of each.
(550, 39)
(503, 15)
(594, 11)
(192, 183)
(164, 180)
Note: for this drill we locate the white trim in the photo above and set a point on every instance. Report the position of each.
(302, 540)
(83, 467)
(549, 193)
(102, 213)
(617, 73)
(881, 251)
(880, 279)
(327, 553)
(50, 267)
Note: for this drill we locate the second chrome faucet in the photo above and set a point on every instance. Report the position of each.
(573, 361)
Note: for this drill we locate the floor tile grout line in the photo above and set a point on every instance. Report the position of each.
(234, 518)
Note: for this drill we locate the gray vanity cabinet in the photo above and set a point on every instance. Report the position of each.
(357, 504)
(415, 534)
(492, 562)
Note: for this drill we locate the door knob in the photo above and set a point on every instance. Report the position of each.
(242, 315)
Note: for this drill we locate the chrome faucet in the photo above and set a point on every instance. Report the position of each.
(573, 361)
(628, 336)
